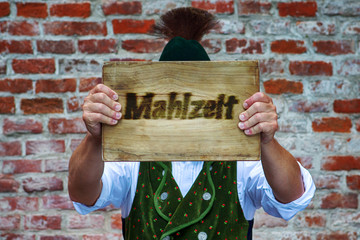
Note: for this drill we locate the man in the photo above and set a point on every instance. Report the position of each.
(188, 200)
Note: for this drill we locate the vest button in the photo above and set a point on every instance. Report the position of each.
(202, 236)
(166, 238)
(206, 196)
(164, 196)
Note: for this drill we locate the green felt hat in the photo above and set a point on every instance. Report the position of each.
(180, 49)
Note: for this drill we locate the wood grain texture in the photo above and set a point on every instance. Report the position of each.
(177, 111)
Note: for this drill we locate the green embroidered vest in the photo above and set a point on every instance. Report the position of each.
(210, 210)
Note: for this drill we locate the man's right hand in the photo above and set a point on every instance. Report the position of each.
(100, 106)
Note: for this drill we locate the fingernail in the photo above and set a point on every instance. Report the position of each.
(245, 105)
(113, 121)
(241, 125)
(247, 131)
(117, 107)
(115, 97)
(118, 115)
(242, 117)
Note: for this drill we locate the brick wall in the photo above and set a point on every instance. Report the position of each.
(52, 53)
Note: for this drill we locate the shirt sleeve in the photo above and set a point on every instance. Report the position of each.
(259, 194)
(117, 181)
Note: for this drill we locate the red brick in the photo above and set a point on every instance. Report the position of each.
(144, 45)
(10, 222)
(297, 9)
(14, 236)
(88, 221)
(19, 203)
(353, 182)
(42, 222)
(122, 26)
(24, 28)
(57, 47)
(7, 105)
(337, 235)
(40, 184)
(82, 10)
(73, 104)
(334, 47)
(86, 84)
(316, 27)
(266, 220)
(311, 220)
(327, 181)
(338, 200)
(8, 184)
(211, 45)
(244, 46)
(32, 10)
(56, 86)
(22, 126)
(68, 28)
(45, 147)
(79, 66)
(98, 46)
(307, 106)
(308, 68)
(219, 6)
(116, 221)
(347, 106)
(63, 126)
(10, 148)
(288, 46)
(269, 66)
(4, 9)
(104, 236)
(338, 163)
(281, 86)
(57, 202)
(13, 46)
(249, 7)
(16, 85)
(21, 166)
(122, 8)
(33, 66)
(306, 162)
(42, 105)
(57, 165)
(57, 237)
(352, 28)
(332, 124)
(349, 67)
(358, 125)
(75, 143)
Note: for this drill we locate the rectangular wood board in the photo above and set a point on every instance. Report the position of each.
(180, 111)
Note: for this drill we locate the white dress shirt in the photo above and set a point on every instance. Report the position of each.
(120, 180)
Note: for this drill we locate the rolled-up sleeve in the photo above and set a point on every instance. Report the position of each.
(116, 183)
(288, 210)
(258, 193)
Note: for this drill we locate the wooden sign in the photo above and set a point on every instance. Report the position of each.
(180, 111)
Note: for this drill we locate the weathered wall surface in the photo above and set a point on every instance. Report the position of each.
(51, 56)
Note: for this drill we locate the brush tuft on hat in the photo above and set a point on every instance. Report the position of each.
(187, 22)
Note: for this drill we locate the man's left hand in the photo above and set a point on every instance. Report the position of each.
(259, 117)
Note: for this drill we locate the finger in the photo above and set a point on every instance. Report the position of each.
(101, 88)
(257, 107)
(263, 127)
(258, 118)
(105, 99)
(102, 109)
(92, 118)
(257, 97)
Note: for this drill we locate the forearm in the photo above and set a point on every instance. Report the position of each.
(85, 170)
(282, 172)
